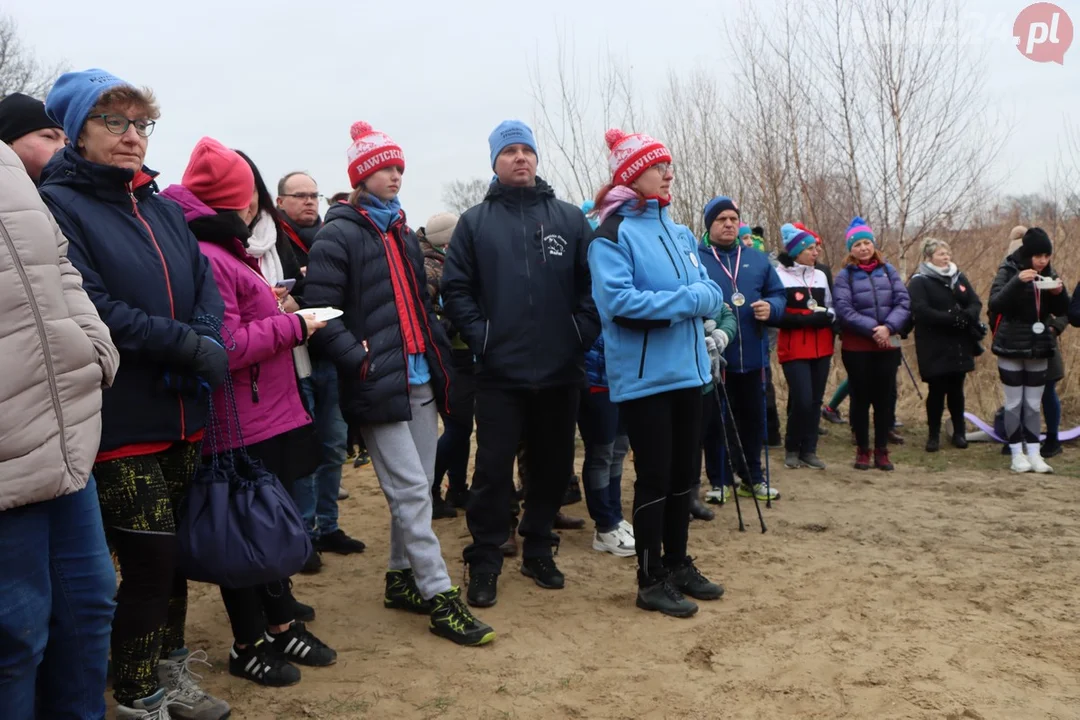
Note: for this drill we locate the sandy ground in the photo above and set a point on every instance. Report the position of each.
(948, 595)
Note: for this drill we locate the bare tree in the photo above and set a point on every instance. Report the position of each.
(460, 195)
(20, 69)
(572, 113)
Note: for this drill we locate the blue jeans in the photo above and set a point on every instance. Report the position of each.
(1051, 406)
(56, 609)
(316, 495)
(598, 421)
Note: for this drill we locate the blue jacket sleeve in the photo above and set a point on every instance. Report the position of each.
(850, 318)
(773, 292)
(461, 288)
(617, 298)
(327, 283)
(159, 338)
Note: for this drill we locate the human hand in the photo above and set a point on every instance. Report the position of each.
(761, 309)
(1028, 275)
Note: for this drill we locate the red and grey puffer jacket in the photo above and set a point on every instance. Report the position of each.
(805, 334)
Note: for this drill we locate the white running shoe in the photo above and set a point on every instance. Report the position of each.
(627, 528)
(1038, 465)
(718, 496)
(615, 542)
(1020, 463)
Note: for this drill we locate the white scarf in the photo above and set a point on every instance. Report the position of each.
(946, 272)
(262, 245)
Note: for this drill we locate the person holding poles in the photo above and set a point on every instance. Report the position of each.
(757, 296)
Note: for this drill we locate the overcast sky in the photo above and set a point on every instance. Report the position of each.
(284, 79)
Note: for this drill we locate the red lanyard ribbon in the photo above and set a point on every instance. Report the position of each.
(738, 263)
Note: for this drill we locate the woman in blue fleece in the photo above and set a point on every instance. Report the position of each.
(653, 295)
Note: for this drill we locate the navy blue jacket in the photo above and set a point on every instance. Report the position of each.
(749, 351)
(142, 268)
(516, 286)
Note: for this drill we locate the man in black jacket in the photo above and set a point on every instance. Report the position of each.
(516, 285)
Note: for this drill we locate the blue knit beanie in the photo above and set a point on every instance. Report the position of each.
(796, 240)
(510, 132)
(74, 96)
(716, 206)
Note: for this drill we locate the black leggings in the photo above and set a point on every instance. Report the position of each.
(665, 434)
(949, 386)
(806, 387)
(139, 500)
(872, 378)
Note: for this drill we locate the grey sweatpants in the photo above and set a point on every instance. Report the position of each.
(404, 458)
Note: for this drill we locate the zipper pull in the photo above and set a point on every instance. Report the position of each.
(134, 203)
(254, 390)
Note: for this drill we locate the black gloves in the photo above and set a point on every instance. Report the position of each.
(211, 362)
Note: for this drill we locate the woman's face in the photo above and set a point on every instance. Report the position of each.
(863, 250)
(1039, 262)
(942, 257)
(656, 181)
(384, 184)
(105, 140)
(808, 256)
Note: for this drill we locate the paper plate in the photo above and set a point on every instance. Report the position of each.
(322, 314)
(1048, 284)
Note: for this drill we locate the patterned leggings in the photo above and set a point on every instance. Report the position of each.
(139, 500)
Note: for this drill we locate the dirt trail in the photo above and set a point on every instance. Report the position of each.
(910, 595)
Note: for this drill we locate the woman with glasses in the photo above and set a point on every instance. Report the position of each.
(653, 296)
(142, 268)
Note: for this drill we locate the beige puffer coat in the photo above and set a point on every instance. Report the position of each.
(55, 352)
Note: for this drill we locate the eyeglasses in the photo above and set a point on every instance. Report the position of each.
(664, 168)
(304, 197)
(118, 124)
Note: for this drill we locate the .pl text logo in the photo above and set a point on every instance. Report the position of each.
(1043, 32)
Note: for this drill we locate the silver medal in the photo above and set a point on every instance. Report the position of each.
(738, 299)
(1038, 328)
(812, 304)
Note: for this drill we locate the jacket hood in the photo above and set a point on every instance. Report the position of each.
(71, 169)
(652, 209)
(192, 206)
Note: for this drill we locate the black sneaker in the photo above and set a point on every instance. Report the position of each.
(441, 509)
(699, 510)
(313, 563)
(483, 589)
(832, 416)
(458, 498)
(262, 664)
(303, 613)
(298, 645)
(340, 543)
(1050, 448)
(688, 579)
(452, 620)
(663, 597)
(543, 572)
(362, 458)
(402, 593)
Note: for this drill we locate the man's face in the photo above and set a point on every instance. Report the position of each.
(300, 201)
(725, 228)
(37, 148)
(516, 166)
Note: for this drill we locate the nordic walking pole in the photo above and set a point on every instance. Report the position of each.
(765, 430)
(911, 375)
(742, 452)
(727, 453)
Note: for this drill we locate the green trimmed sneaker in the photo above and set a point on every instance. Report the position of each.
(402, 593)
(763, 492)
(452, 620)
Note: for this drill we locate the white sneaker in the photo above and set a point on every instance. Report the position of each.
(614, 542)
(718, 496)
(1037, 464)
(627, 528)
(1020, 463)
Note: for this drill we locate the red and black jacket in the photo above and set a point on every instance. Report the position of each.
(804, 333)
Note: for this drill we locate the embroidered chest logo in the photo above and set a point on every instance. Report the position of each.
(554, 245)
